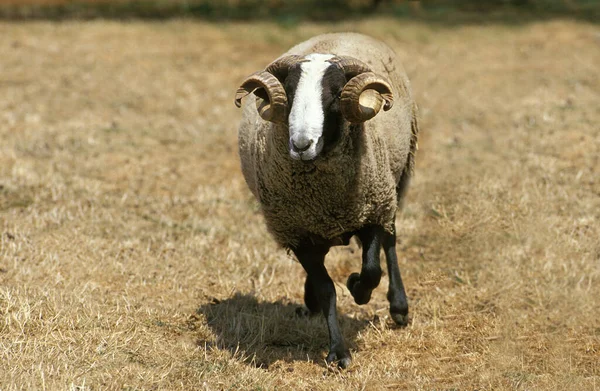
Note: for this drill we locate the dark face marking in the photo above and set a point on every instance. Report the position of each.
(333, 82)
(315, 122)
(290, 84)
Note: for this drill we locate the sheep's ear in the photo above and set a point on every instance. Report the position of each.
(272, 105)
(364, 96)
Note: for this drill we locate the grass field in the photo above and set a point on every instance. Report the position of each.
(133, 257)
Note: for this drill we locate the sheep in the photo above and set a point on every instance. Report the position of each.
(325, 167)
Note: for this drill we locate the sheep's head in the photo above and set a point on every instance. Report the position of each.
(313, 95)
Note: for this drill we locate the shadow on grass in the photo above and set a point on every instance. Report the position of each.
(262, 332)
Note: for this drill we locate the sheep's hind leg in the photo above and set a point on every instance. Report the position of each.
(361, 285)
(396, 294)
(312, 259)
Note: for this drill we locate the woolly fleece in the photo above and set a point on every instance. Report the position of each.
(355, 183)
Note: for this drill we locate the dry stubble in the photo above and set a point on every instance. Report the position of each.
(132, 256)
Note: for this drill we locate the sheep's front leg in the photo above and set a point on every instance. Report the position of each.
(311, 298)
(396, 294)
(312, 259)
(361, 285)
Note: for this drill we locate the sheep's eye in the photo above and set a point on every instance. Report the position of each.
(338, 94)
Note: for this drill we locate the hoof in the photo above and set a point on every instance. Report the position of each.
(361, 296)
(398, 308)
(400, 319)
(343, 360)
(353, 279)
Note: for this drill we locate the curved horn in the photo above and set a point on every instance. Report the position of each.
(350, 65)
(358, 105)
(281, 66)
(273, 103)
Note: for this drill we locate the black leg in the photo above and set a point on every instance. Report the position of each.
(310, 296)
(361, 285)
(396, 294)
(312, 259)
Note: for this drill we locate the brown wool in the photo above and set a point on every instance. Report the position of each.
(355, 183)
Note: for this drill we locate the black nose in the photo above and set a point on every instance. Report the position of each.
(301, 145)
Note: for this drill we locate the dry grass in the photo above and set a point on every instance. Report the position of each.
(133, 257)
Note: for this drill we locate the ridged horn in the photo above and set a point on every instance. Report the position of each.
(281, 66)
(350, 65)
(357, 104)
(273, 104)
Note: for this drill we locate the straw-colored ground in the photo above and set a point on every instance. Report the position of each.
(133, 257)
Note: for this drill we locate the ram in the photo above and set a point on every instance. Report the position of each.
(327, 142)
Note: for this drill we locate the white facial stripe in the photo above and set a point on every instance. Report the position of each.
(307, 117)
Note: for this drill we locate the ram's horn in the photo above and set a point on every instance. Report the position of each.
(350, 66)
(281, 66)
(358, 101)
(272, 103)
